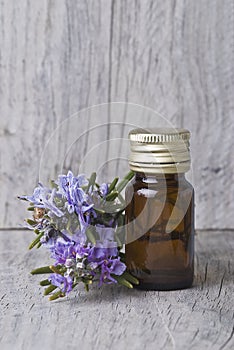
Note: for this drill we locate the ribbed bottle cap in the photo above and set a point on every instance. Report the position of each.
(159, 150)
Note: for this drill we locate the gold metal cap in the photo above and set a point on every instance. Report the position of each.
(159, 150)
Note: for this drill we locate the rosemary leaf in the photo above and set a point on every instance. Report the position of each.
(111, 196)
(125, 181)
(57, 295)
(98, 210)
(130, 278)
(36, 240)
(49, 289)
(92, 180)
(55, 269)
(90, 236)
(113, 184)
(41, 270)
(86, 287)
(30, 208)
(31, 222)
(45, 283)
(123, 281)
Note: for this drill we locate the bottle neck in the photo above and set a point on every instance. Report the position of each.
(154, 178)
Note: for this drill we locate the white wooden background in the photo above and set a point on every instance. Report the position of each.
(58, 57)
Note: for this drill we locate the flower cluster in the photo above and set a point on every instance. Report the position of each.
(80, 223)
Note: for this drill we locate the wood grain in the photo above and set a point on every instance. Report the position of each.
(58, 57)
(113, 317)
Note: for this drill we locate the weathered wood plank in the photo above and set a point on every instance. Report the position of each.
(54, 61)
(197, 318)
(177, 57)
(56, 58)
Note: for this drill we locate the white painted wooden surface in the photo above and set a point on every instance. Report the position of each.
(57, 57)
(201, 317)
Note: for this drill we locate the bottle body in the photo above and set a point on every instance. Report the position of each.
(160, 231)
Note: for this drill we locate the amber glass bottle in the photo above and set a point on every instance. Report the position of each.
(160, 210)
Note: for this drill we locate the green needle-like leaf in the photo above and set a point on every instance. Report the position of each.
(31, 222)
(90, 236)
(98, 210)
(45, 283)
(30, 208)
(56, 269)
(121, 199)
(113, 184)
(86, 287)
(111, 196)
(130, 278)
(125, 181)
(53, 184)
(57, 295)
(92, 180)
(41, 270)
(36, 240)
(49, 289)
(123, 281)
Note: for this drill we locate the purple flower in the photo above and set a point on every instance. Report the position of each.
(79, 237)
(106, 246)
(108, 267)
(100, 251)
(62, 282)
(77, 199)
(62, 250)
(70, 187)
(104, 189)
(50, 237)
(82, 251)
(44, 198)
(67, 182)
(40, 193)
(51, 206)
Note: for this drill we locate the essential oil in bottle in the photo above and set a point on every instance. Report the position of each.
(160, 210)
